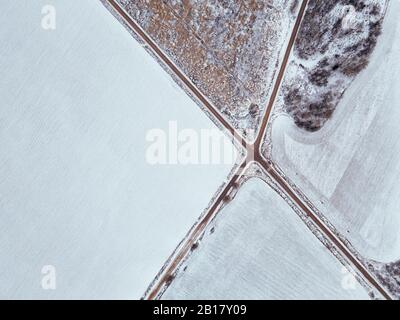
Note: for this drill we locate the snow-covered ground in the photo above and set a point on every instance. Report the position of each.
(350, 169)
(258, 248)
(334, 44)
(76, 192)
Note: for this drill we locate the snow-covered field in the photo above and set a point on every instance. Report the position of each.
(76, 192)
(350, 169)
(258, 248)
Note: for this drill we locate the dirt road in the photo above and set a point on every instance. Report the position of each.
(253, 154)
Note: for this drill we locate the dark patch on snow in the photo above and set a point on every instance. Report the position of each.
(389, 275)
(336, 38)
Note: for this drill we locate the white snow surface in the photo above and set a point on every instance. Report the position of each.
(350, 169)
(75, 189)
(260, 249)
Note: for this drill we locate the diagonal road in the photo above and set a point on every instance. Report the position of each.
(253, 155)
